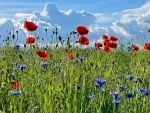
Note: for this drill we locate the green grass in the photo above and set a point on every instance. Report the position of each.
(55, 91)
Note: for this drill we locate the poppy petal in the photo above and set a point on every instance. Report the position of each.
(106, 49)
(105, 37)
(43, 54)
(113, 38)
(135, 48)
(30, 40)
(71, 56)
(30, 26)
(147, 46)
(15, 84)
(98, 44)
(83, 40)
(113, 45)
(82, 30)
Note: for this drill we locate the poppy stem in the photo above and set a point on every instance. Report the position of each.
(17, 37)
(46, 34)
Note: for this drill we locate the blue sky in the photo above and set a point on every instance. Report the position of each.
(10, 7)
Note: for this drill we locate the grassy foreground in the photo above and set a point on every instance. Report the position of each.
(98, 83)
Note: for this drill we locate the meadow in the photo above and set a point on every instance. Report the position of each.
(74, 80)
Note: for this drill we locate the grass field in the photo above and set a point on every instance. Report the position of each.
(93, 82)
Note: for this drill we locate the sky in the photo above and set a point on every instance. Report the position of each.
(126, 19)
(10, 7)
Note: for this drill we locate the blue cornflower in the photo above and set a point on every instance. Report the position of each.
(80, 58)
(45, 48)
(44, 64)
(15, 92)
(116, 100)
(138, 80)
(17, 46)
(122, 87)
(130, 77)
(144, 92)
(129, 95)
(100, 82)
(116, 97)
(78, 86)
(21, 66)
(115, 94)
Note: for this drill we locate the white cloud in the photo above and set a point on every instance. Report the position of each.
(127, 24)
(134, 23)
(22, 15)
(5, 26)
(66, 18)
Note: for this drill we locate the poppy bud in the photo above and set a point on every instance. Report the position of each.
(20, 56)
(60, 39)
(17, 31)
(24, 45)
(13, 36)
(46, 29)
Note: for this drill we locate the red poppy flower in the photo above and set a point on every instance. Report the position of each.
(147, 46)
(107, 49)
(98, 45)
(44, 58)
(83, 40)
(15, 84)
(107, 42)
(82, 30)
(113, 45)
(135, 48)
(71, 56)
(113, 38)
(43, 54)
(105, 37)
(30, 26)
(30, 40)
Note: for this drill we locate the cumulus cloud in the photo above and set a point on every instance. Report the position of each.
(134, 23)
(66, 18)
